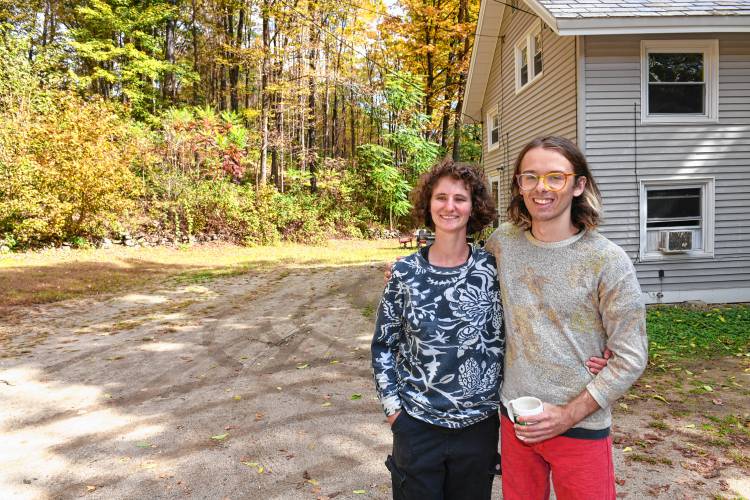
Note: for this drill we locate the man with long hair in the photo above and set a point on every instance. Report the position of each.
(568, 293)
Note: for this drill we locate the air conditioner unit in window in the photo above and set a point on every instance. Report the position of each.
(675, 241)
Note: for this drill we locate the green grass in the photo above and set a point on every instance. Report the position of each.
(52, 275)
(658, 424)
(677, 333)
(638, 457)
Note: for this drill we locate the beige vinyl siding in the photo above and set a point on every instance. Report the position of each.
(545, 106)
(720, 150)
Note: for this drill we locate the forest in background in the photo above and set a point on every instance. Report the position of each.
(247, 120)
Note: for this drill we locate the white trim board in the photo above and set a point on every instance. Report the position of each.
(644, 24)
(713, 296)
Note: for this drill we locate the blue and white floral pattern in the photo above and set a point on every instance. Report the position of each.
(439, 343)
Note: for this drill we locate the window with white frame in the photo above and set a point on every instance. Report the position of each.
(495, 191)
(493, 131)
(677, 218)
(528, 51)
(679, 80)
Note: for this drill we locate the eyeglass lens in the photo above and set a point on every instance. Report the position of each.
(553, 181)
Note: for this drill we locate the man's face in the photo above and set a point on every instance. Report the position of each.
(545, 205)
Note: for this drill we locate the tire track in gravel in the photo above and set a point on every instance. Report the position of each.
(257, 355)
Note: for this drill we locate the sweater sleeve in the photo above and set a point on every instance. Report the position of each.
(624, 320)
(385, 344)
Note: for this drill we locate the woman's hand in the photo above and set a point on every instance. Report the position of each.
(393, 417)
(595, 365)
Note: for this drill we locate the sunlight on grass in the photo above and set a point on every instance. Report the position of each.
(55, 275)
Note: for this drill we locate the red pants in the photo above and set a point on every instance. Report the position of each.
(581, 468)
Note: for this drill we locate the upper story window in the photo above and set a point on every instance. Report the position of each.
(529, 63)
(493, 131)
(679, 81)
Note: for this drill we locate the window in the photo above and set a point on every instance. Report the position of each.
(529, 63)
(677, 218)
(493, 131)
(495, 191)
(679, 80)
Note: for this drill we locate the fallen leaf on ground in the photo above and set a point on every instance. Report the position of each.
(356, 396)
(627, 449)
(660, 398)
(620, 482)
(237, 398)
(334, 361)
(302, 367)
(258, 416)
(359, 492)
(220, 437)
(143, 444)
(708, 388)
(657, 489)
(114, 358)
(718, 402)
(326, 404)
(90, 487)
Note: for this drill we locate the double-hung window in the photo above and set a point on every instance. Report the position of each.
(529, 61)
(677, 218)
(679, 81)
(493, 130)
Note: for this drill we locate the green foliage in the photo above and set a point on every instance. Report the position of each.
(391, 189)
(678, 332)
(394, 170)
(470, 145)
(66, 171)
(116, 41)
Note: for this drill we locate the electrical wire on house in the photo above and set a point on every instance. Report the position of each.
(516, 7)
(637, 258)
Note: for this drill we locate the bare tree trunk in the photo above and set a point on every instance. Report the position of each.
(311, 122)
(194, 32)
(234, 70)
(264, 94)
(463, 13)
(168, 89)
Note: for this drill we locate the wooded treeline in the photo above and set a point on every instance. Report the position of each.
(308, 76)
(339, 103)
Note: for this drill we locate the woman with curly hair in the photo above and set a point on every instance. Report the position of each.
(439, 346)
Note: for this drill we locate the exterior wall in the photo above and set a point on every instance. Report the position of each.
(613, 132)
(546, 106)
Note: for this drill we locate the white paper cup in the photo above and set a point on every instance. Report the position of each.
(525, 406)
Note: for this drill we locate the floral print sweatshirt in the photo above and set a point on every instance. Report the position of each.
(438, 347)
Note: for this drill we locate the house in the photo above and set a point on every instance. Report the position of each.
(657, 94)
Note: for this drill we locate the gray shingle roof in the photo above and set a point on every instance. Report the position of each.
(644, 8)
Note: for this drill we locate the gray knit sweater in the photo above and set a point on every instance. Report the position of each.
(564, 302)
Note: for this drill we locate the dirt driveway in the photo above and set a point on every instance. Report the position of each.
(255, 386)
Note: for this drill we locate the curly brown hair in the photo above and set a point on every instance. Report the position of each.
(586, 209)
(483, 209)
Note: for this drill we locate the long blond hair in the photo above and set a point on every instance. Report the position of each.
(586, 209)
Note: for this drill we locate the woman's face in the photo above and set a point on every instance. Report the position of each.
(450, 206)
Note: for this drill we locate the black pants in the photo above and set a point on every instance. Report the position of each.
(435, 463)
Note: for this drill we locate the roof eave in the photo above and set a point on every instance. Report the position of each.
(485, 41)
(652, 25)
